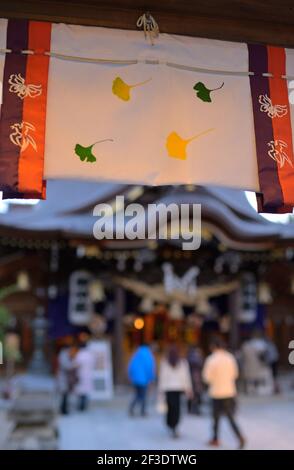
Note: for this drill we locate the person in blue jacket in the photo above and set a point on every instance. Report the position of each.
(141, 372)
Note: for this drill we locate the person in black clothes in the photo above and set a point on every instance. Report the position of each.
(220, 372)
(174, 379)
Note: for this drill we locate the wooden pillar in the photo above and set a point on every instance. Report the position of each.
(118, 349)
(234, 309)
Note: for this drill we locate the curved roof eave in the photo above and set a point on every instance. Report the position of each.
(226, 209)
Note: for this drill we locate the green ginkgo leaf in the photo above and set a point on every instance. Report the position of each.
(85, 153)
(203, 92)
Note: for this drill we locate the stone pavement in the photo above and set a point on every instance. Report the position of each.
(268, 423)
(5, 425)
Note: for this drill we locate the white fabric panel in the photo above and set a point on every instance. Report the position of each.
(82, 109)
(116, 44)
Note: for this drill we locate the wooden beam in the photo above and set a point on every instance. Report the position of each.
(246, 21)
(118, 347)
(234, 310)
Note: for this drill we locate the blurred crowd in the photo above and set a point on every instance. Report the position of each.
(253, 368)
(188, 377)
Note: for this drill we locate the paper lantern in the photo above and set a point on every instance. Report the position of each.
(96, 291)
(176, 311)
(23, 281)
(264, 293)
(146, 305)
(203, 306)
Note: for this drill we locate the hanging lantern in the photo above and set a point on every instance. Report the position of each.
(146, 305)
(23, 281)
(96, 291)
(203, 306)
(176, 311)
(265, 294)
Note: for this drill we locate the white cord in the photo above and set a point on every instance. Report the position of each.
(150, 27)
(189, 68)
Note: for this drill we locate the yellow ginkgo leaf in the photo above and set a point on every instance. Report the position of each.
(177, 146)
(122, 89)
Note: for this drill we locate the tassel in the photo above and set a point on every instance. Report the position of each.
(150, 27)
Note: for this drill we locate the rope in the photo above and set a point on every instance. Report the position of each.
(188, 68)
(150, 27)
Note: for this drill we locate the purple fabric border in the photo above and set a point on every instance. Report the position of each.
(12, 107)
(267, 167)
(284, 209)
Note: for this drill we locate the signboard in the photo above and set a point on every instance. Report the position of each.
(249, 299)
(102, 375)
(80, 304)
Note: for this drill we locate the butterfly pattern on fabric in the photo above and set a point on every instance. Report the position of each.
(277, 152)
(266, 106)
(18, 86)
(21, 135)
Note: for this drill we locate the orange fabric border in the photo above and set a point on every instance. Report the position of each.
(282, 128)
(31, 161)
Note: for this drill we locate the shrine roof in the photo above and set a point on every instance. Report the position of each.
(68, 211)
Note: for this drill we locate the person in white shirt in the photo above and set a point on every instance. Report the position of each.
(67, 376)
(257, 372)
(220, 372)
(174, 379)
(84, 362)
